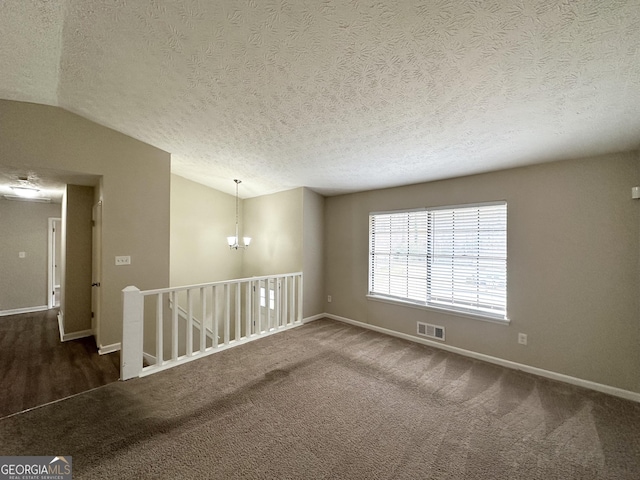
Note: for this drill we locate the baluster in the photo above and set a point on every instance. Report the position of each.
(259, 306)
(174, 327)
(299, 309)
(215, 309)
(292, 300)
(227, 313)
(238, 311)
(277, 300)
(190, 324)
(159, 330)
(267, 296)
(203, 320)
(285, 299)
(247, 310)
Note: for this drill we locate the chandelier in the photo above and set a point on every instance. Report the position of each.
(233, 240)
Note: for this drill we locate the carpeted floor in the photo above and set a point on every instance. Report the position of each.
(329, 400)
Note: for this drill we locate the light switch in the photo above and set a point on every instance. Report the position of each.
(123, 260)
(22, 254)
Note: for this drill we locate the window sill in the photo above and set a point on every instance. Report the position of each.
(475, 316)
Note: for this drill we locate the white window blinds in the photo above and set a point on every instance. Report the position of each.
(453, 258)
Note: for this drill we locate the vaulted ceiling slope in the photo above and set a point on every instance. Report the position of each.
(337, 95)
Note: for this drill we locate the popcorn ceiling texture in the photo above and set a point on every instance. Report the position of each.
(337, 95)
(30, 49)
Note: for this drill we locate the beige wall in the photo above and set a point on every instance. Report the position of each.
(573, 265)
(201, 220)
(313, 253)
(23, 228)
(286, 227)
(288, 236)
(75, 299)
(274, 222)
(135, 193)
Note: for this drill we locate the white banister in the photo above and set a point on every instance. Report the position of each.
(292, 300)
(216, 313)
(190, 324)
(227, 312)
(258, 306)
(132, 333)
(247, 310)
(174, 328)
(159, 332)
(276, 299)
(270, 304)
(203, 320)
(238, 311)
(300, 300)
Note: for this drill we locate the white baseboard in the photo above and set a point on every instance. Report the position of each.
(150, 359)
(65, 337)
(313, 318)
(76, 335)
(617, 392)
(61, 325)
(18, 311)
(104, 349)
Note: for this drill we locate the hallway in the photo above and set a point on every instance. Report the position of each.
(36, 368)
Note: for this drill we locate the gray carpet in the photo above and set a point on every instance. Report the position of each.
(329, 400)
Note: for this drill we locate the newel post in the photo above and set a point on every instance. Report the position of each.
(132, 333)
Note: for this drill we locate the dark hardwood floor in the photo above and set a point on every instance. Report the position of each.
(36, 368)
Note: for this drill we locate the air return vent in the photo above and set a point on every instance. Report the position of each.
(431, 331)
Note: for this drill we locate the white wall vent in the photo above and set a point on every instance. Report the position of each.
(431, 331)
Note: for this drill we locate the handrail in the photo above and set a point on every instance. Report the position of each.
(213, 284)
(196, 321)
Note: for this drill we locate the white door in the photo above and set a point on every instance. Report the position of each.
(53, 281)
(268, 304)
(96, 270)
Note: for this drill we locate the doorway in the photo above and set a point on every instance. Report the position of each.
(54, 257)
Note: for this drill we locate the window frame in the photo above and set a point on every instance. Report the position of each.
(272, 298)
(468, 312)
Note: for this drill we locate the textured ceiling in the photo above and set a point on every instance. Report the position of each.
(336, 95)
(50, 183)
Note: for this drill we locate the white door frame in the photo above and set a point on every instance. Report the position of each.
(52, 261)
(96, 271)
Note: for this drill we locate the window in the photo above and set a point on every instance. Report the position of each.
(453, 258)
(272, 298)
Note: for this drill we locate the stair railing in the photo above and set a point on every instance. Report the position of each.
(166, 327)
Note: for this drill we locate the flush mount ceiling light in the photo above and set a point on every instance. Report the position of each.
(233, 240)
(25, 191)
(27, 199)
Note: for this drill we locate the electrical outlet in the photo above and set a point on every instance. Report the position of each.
(329, 298)
(123, 260)
(22, 254)
(522, 338)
